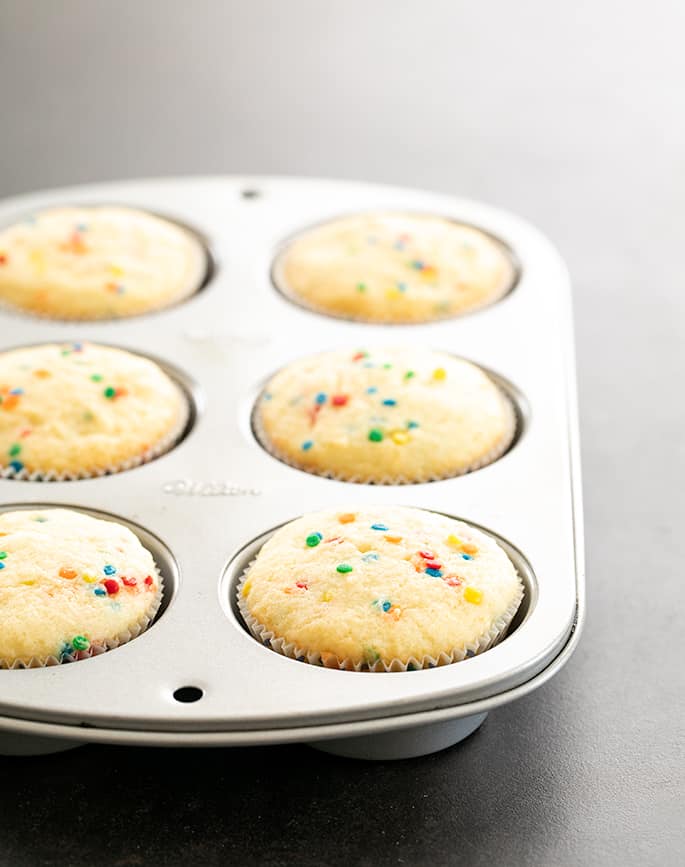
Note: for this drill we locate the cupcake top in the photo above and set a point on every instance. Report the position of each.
(97, 263)
(394, 267)
(380, 587)
(384, 416)
(70, 586)
(79, 409)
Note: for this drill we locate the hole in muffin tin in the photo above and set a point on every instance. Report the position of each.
(279, 283)
(235, 568)
(161, 554)
(250, 194)
(188, 694)
(189, 388)
(514, 395)
(210, 260)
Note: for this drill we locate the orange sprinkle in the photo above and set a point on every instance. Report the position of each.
(42, 374)
(10, 401)
(347, 518)
(469, 548)
(393, 539)
(65, 572)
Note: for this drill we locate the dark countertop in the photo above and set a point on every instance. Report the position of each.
(570, 115)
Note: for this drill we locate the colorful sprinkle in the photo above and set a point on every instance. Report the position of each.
(3, 555)
(302, 585)
(472, 595)
(97, 377)
(466, 557)
(326, 596)
(100, 591)
(339, 399)
(17, 466)
(371, 390)
(321, 397)
(409, 374)
(435, 573)
(14, 450)
(110, 392)
(247, 586)
(306, 445)
(439, 373)
(376, 435)
(470, 548)
(109, 570)
(111, 586)
(128, 582)
(400, 437)
(347, 518)
(370, 556)
(382, 527)
(395, 540)
(427, 555)
(361, 287)
(80, 642)
(389, 401)
(2, 565)
(66, 572)
(42, 374)
(90, 579)
(359, 355)
(313, 540)
(148, 581)
(453, 540)
(343, 568)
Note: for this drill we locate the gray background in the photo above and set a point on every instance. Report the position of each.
(570, 114)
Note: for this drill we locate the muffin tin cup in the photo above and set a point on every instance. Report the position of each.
(95, 649)
(496, 633)
(205, 507)
(487, 458)
(161, 447)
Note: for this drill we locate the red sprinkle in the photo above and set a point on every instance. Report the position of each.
(433, 564)
(453, 582)
(427, 555)
(339, 399)
(302, 585)
(111, 586)
(358, 356)
(3, 259)
(148, 580)
(129, 582)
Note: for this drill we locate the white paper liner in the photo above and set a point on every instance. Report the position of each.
(163, 445)
(495, 634)
(489, 457)
(95, 649)
(282, 286)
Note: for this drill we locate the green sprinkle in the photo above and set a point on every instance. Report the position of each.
(109, 392)
(387, 366)
(313, 540)
(361, 287)
(343, 568)
(3, 554)
(97, 377)
(80, 642)
(409, 374)
(15, 449)
(376, 435)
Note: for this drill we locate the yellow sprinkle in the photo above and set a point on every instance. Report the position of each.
(392, 293)
(401, 437)
(247, 586)
(37, 259)
(116, 271)
(439, 373)
(454, 540)
(89, 579)
(28, 583)
(475, 597)
(326, 596)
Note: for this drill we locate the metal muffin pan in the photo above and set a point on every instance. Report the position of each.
(203, 507)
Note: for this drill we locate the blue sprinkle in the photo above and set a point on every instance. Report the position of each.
(40, 519)
(81, 227)
(321, 397)
(412, 424)
(100, 591)
(17, 466)
(17, 391)
(389, 402)
(380, 527)
(467, 557)
(386, 606)
(371, 390)
(77, 347)
(370, 556)
(369, 364)
(436, 573)
(402, 286)
(267, 396)
(109, 570)
(320, 535)
(307, 444)
(2, 565)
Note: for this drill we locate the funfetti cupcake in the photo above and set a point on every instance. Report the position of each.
(386, 416)
(379, 588)
(394, 267)
(71, 586)
(97, 263)
(76, 410)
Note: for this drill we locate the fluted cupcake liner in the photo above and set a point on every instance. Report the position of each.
(96, 647)
(161, 447)
(497, 631)
(484, 460)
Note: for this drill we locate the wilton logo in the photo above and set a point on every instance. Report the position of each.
(188, 488)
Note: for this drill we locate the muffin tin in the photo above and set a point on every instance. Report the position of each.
(196, 677)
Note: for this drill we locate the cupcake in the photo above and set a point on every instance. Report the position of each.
(97, 263)
(77, 410)
(394, 267)
(379, 588)
(71, 586)
(387, 416)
